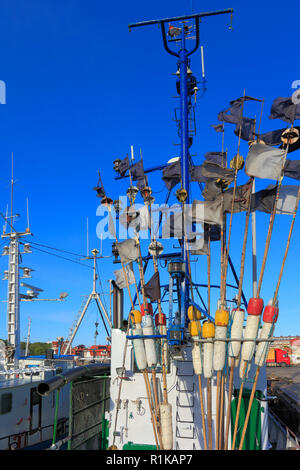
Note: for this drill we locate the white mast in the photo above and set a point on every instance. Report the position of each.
(28, 337)
(93, 295)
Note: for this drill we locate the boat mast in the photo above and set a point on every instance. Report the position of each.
(183, 62)
(93, 295)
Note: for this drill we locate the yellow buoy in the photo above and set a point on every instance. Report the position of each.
(193, 313)
(195, 328)
(208, 329)
(136, 316)
(222, 318)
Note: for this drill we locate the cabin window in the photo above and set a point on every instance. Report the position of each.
(6, 403)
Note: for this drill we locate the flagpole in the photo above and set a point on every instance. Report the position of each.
(254, 253)
(241, 278)
(225, 251)
(274, 303)
(163, 342)
(208, 380)
(254, 282)
(270, 229)
(253, 220)
(199, 375)
(126, 341)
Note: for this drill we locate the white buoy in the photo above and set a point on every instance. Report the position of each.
(197, 357)
(221, 322)
(234, 347)
(148, 330)
(208, 332)
(208, 352)
(250, 333)
(166, 425)
(139, 348)
(244, 372)
(269, 319)
(263, 346)
(219, 349)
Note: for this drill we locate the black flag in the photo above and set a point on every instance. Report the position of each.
(172, 174)
(196, 174)
(292, 169)
(272, 137)
(218, 127)
(216, 157)
(152, 288)
(233, 114)
(137, 174)
(213, 232)
(211, 190)
(124, 165)
(285, 109)
(241, 199)
(211, 170)
(247, 129)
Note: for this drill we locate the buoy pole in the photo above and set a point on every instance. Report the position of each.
(208, 380)
(274, 303)
(153, 417)
(249, 408)
(218, 409)
(239, 407)
(209, 413)
(241, 278)
(267, 245)
(156, 414)
(199, 375)
(228, 413)
(221, 431)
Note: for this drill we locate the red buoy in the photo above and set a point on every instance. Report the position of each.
(146, 311)
(270, 314)
(237, 309)
(163, 320)
(255, 306)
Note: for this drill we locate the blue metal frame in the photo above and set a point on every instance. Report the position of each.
(183, 63)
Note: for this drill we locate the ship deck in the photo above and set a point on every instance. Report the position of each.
(284, 387)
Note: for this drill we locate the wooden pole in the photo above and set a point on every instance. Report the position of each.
(228, 413)
(274, 303)
(221, 427)
(238, 407)
(249, 408)
(209, 413)
(153, 418)
(199, 376)
(241, 278)
(218, 409)
(208, 381)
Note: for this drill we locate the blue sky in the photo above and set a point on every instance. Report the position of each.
(81, 90)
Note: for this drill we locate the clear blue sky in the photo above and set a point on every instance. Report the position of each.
(81, 90)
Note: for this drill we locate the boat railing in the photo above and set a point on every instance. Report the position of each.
(288, 434)
(25, 372)
(86, 423)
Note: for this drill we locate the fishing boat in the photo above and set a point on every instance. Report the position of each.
(26, 418)
(182, 376)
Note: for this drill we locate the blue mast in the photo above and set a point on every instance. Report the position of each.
(183, 62)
